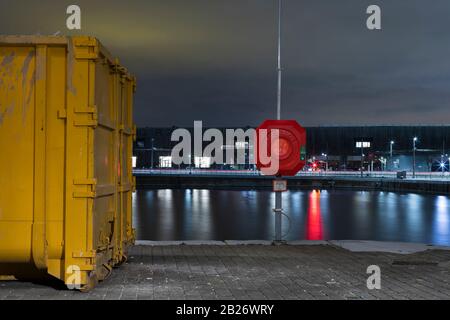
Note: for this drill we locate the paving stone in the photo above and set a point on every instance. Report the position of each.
(257, 271)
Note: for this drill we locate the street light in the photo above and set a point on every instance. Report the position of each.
(151, 164)
(362, 159)
(326, 160)
(414, 156)
(391, 145)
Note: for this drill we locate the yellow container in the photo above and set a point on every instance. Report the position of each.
(66, 133)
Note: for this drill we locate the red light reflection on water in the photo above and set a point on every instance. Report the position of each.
(314, 228)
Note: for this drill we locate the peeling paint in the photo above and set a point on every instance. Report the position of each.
(70, 63)
(26, 66)
(8, 111)
(31, 86)
(7, 65)
(8, 59)
(25, 69)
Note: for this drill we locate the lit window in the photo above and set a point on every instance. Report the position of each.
(241, 145)
(133, 160)
(365, 144)
(165, 162)
(202, 162)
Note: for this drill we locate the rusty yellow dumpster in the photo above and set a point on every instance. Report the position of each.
(66, 134)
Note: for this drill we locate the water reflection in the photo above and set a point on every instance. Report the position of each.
(441, 220)
(314, 215)
(314, 227)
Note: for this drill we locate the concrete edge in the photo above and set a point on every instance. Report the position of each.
(384, 246)
(350, 245)
(226, 242)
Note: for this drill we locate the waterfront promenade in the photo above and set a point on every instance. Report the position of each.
(258, 270)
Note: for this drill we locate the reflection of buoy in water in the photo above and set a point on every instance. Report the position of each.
(314, 227)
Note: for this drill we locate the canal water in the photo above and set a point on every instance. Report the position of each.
(313, 215)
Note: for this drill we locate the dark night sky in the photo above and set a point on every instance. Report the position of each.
(215, 60)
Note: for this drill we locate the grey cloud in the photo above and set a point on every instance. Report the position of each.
(214, 60)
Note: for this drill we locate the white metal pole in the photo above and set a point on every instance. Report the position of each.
(414, 157)
(362, 160)
(278, 211)
(391, 161)
(151, 164)
(278, 195)
(279, 63)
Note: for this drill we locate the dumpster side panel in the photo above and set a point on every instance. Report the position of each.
(17, 101)
(105, 156)
(80, 181)
(131, 87)
(55, 144)
(126, 177)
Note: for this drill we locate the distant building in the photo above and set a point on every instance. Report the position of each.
(335, 147)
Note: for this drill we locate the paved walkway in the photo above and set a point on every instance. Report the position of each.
(259, 272)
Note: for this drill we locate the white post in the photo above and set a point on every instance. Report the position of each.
(279, 63)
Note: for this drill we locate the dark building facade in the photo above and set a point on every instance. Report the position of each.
(336, 147)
